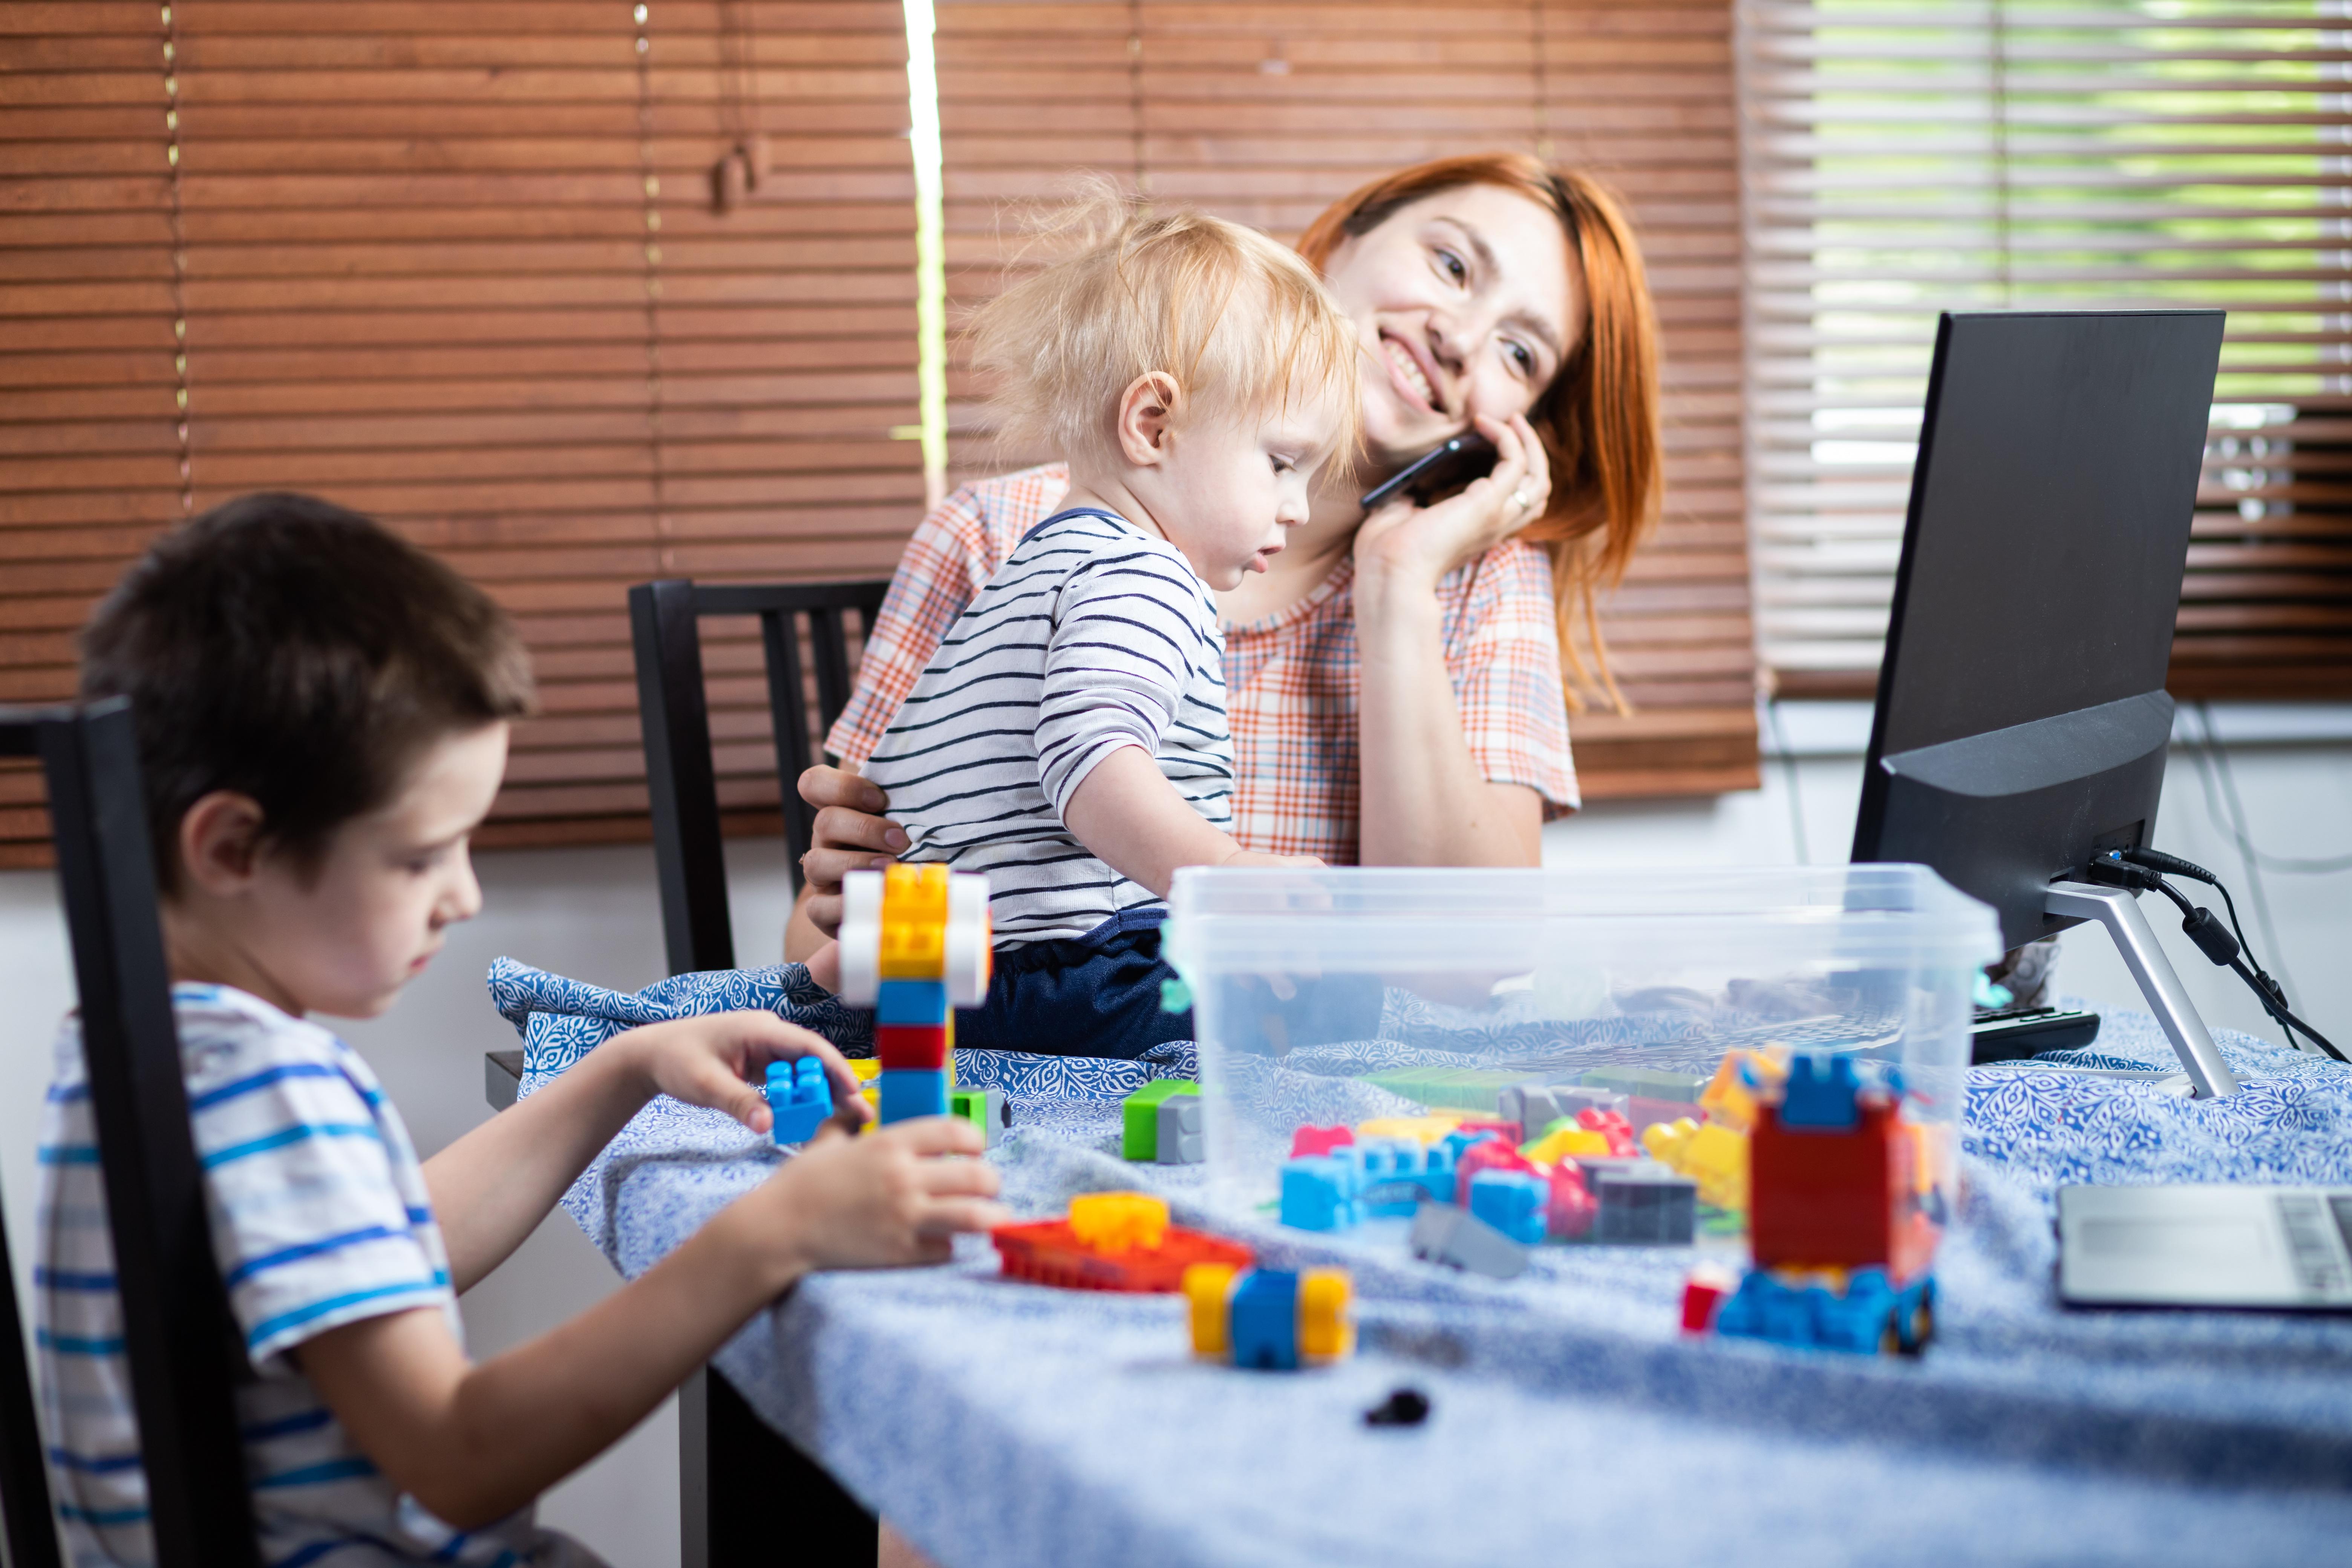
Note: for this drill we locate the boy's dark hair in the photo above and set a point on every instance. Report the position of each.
(291, 650)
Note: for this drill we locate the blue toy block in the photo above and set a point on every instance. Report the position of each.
(919, 1002)
(800, 1098)
(1264, 1321)
(1319, 1193)
(1820, 1095)
(1397, 1172)
(1513, 1202)
(909, 1093)
(1872, 1312)
(1855, 1321)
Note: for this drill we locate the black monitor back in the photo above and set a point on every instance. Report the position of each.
(2022, 719)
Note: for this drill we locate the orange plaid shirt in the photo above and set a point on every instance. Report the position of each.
(1291, 680)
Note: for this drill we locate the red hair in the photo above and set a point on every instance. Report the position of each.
(1599, 418)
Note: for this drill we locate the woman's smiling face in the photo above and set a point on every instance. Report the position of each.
(1466, 305)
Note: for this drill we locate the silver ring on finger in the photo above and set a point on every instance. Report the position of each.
(1520, 501)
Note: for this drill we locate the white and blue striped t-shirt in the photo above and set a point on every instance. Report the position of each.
(1094, 634)
(319, 1217)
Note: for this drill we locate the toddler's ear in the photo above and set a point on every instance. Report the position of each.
(220, 841)
(1147, 414)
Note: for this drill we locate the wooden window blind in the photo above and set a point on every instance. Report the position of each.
(1905, 156)
(1265, 113)
(460, 265)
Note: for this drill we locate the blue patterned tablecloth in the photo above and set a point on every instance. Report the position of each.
(997, 1423)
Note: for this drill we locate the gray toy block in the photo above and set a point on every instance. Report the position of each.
(1645, 1208)
(1536, 1105)
(1179, 1135)
(1445, 1233)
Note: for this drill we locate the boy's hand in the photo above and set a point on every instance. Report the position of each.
(879, 1201)
(720, 1060)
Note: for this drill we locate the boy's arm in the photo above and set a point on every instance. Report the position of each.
(491, 1187)
(1130, 817)
(475, 1443)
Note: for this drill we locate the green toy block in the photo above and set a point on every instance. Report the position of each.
(983, 1108)
(1140, 1118)
(1475, 1091)
(1647, 1082)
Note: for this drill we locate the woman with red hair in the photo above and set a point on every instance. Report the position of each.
(1398, 683)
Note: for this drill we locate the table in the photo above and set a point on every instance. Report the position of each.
(998, 1423)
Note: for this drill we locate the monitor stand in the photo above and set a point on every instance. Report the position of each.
(2116, 908)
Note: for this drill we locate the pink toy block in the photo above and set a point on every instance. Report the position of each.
(1310, 1141)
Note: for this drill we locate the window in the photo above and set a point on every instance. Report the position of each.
(1906, 156)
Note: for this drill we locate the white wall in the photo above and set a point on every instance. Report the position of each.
(593, 913)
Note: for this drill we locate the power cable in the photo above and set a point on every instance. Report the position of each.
(1789, 771)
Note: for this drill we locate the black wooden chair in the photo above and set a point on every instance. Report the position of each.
(182, 1342)
(732, 1466)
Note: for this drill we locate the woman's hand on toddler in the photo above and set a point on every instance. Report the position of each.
(720, 1059)
(880, 1201)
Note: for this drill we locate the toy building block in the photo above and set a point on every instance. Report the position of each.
(909, 1093)
(799, 1097)
(1612, 1126)
(1742, 1079)
(1647, 1083)
(1564, 1140)
(1309, 1141)
(1704, 1294)
(1822, 1195)
(1513, 1202)
(1534, 1106)
(1442, 1233)
(1398, 1171)
(1419, 1129)
(1570, 1208)
(1178, 1140)
(912, 1004)
(914, 923)
(1488, 1154)
(983, 1108)
(1321, 1193)
(1715, 1157)
(1863, 1310)
(915, 1045)
(1139, 1116)
(1048, 1252)
(1113, 1223)
(1271, 1320)
(1649, 1208)
(1263, 1325)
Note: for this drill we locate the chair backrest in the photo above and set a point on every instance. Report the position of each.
(663, 621)
(181, 1337)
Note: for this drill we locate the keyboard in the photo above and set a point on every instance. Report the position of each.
(2009, 1033)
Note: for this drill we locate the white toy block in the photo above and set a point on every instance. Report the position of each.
(968, 957)
(861, 938)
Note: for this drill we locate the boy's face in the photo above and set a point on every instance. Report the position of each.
(346, 939)
(1231, 488)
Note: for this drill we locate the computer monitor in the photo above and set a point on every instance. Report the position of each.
(2023, 721)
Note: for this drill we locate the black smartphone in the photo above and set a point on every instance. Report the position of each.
(1437, 472)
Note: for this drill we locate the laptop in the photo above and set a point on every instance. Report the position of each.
(2205, 1246)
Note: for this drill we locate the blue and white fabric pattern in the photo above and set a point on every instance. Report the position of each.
(1093, 635)
(319, 1217)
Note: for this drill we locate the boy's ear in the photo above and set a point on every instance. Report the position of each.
(1147, 416)
(220, 841)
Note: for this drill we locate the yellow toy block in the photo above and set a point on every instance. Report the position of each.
(917, 895)
(1727, 1100)
(913, 949)
(1565, 1143)
(1324, 1329)
(1209, 1287)
(1116, 1222)
(1715, 1157)
(1421, 1130)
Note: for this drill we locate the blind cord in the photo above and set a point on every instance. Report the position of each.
(1789, 773)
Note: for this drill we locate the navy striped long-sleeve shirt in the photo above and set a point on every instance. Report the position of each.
(1093, 635)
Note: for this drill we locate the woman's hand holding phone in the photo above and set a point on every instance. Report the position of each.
(1404, 545)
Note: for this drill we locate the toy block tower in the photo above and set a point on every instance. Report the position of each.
(914, 947)
(1830, 1176)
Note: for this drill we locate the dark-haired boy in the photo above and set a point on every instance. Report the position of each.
(323, 712)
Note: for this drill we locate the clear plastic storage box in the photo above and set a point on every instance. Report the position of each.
(1346, 996)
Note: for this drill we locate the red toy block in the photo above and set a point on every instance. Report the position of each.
(1833, 1198)
(1702, 1295)
(1611, 1125)
(1573, 1207)
(1493, 1155)
(1490, 1127)
(920, 1047)
(1311, 1141)
(1048, 1252)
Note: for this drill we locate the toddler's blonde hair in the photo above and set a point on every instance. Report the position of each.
(1238, 322)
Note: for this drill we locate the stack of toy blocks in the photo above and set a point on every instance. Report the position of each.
(914, 947)
(1270, 1318)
